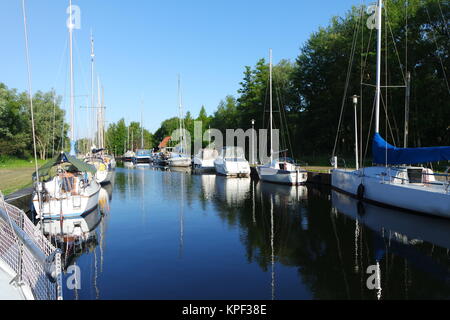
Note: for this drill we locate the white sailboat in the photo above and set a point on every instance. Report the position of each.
(279, 170)
(179, 158)
(103, 162)
(395, 182)
(232, 162)
(67, 187)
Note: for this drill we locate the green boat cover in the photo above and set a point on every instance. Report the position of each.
(64, 157)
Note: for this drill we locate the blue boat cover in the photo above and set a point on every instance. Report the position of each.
(385, 153)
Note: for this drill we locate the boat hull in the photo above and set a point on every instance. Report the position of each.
(269, 174)
(422, 199)
(179, 162)
(68, 206)
(232, 168)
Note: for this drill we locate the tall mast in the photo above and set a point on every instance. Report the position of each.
(271, 104)
(378, 93)
(142, 131)
(92, 86)
(99, 105)
(180, 113)
(72, 95)
(102, 119)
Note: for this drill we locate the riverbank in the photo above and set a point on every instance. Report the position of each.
(15, 174)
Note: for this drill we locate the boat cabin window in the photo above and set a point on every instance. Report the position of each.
(415, 175)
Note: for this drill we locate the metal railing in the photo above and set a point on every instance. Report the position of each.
(35, 262)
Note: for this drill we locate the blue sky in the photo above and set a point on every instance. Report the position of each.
(141, 46)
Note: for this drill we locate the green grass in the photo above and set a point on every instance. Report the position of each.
(14, 163)
(15, 173)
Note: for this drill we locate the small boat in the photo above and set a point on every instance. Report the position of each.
(103, 163)
(142, 156)
(204, 159)
(129, 156)
(179, 160)
(232, 162)
(283, 170)
(68, 189)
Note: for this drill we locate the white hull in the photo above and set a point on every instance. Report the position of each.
(232, 168)
(66, 205)
(273, 175)
(204, 164)
(423, 198)
(180, 162)
(104, 176)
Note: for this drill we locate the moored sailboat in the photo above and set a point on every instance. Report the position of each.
(178, 157)
(67, 187)
(395, 181)
(279, 170)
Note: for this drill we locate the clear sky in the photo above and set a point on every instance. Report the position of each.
(141, 46)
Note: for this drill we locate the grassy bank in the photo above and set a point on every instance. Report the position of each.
(15, 174)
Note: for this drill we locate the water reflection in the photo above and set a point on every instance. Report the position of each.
(174, 235)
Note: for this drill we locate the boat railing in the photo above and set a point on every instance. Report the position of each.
(29, 255)
(445, 183)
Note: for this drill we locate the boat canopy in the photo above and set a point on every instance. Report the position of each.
(385, 153)
(64, 157)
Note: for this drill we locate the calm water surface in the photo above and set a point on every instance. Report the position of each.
(174, 235)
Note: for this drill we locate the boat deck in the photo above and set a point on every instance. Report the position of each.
(8, 291)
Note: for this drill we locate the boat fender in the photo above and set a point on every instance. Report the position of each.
(360, 192)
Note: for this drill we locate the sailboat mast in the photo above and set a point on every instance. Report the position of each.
(378, 93)
(72, 95)
(180, 112)
(142, 132)
(271, 104)
(102, 119)
(99, 104)
(92, 87)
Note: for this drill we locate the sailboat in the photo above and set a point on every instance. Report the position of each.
(99, 157)
(142, 155)
(178, 157)
(279, 170)
(395, 181)
(66, 188)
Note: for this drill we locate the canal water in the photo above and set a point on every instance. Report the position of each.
(162, 234)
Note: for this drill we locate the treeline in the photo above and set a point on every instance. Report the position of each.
(15, 124)
(309, 92)
(120, 138)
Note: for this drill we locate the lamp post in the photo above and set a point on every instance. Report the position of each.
(355, 104)
(253, 141)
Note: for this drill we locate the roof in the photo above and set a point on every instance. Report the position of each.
(164, 143)
(64, 157)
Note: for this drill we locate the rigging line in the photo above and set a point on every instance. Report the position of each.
(287, 131)
(387, 121)
(355, 34)
(370, 129)
(443, 18)
(437, 49)
(387, 22)
(30, 90)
